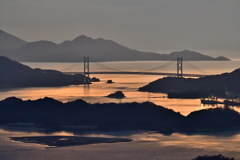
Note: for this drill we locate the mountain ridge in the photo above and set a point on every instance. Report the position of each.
(98, 49)
(10, 42)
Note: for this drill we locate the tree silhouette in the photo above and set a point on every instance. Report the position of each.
(214, 157)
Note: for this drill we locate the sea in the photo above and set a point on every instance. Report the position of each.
(145, 145)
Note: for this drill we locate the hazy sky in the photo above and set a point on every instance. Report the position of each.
(208, 26)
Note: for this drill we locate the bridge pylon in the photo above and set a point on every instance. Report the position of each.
(179, 67)
(86, 70)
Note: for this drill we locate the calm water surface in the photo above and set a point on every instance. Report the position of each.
(145, 145)
(129, 84)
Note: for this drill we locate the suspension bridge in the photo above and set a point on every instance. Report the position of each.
(152, 71)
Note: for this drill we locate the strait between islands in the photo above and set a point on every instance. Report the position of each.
(54, 115)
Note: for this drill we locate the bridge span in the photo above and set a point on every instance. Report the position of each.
(141, 73)
(86, 72)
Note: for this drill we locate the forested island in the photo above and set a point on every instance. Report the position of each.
(52, 115)
(224, 85)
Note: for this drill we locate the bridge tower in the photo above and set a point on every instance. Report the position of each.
(86, 70)
(179, 67)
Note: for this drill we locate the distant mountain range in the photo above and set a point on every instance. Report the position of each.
(10, 42)
(74, 51)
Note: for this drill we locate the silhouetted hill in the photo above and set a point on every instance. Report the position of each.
(10, 42)
(73, 116)
(213, 157)
(14, 74)
(97, 49)
(221, 58)
(36, 51)
(194, 56)
(197, 88)
(56, 114)
(213, 119)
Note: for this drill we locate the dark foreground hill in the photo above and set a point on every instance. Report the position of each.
(14, 74)
(97, 49)
(80, 115)
(217, 85)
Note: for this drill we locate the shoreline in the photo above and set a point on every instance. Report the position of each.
(65, 141)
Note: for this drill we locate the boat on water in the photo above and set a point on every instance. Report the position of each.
(211, 101)
(233, 102)
(227, 102)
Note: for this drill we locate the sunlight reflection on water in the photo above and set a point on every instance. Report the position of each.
(218, 142)
(129, 84)
(145, 144)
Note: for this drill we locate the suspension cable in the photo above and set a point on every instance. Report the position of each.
(105, 66)
(151, 69)
(196, 68)
(111, 68)
(159, 67)
(70, 67)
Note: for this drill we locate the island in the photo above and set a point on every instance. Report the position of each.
(51, 115)
(109, 81)
(15, 74)
(95, 79)
(224, 85)
(117, 95)
(63, 141)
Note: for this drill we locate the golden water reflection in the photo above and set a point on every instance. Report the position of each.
(96, 92)
(208, 142)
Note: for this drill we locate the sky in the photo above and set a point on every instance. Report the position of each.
(211, 27)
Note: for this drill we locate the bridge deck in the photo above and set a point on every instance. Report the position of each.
(142, 73)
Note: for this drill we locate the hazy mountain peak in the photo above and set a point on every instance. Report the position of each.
(82, 38)
(102, 39)
(2, 32)
(184, 52)
(222, 58)
(35, 50)
(42, 43)
(105, 40)
(99, 49)
(10, 42)
(192, 55)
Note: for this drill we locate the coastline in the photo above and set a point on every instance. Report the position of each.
(64, 141)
